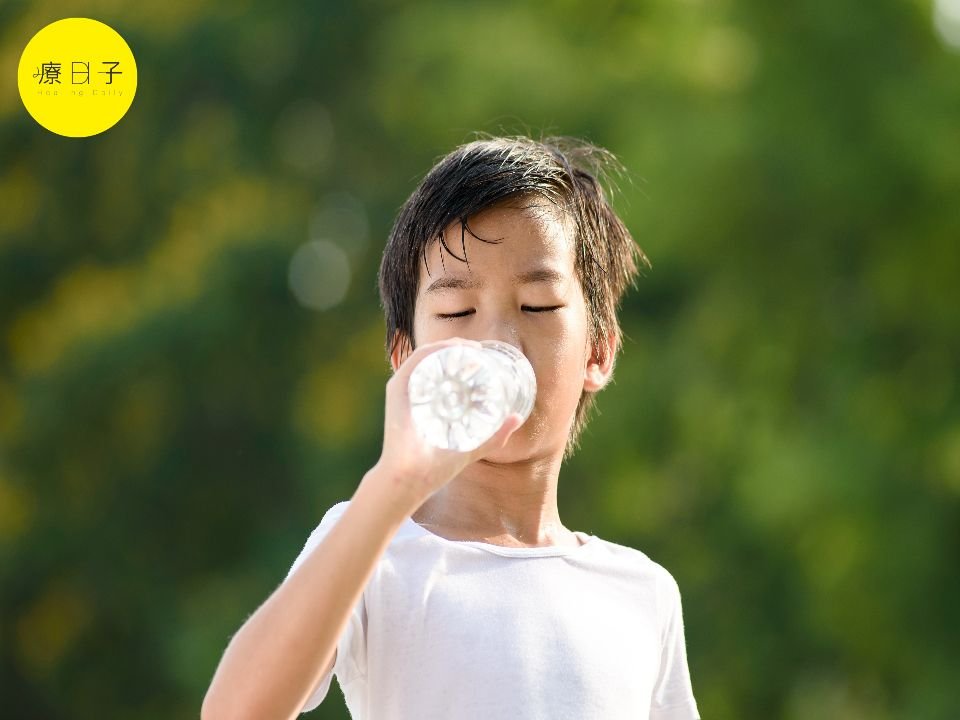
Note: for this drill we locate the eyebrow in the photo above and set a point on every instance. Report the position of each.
(454, 282)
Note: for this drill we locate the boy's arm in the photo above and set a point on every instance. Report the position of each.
(673, 693)
(275, 660)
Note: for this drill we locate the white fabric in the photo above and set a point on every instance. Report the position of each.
(474, 631)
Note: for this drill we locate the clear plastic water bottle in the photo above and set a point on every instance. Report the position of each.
(460, 395)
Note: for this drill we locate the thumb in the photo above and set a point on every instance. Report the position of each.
(511, 423)
(499, 439)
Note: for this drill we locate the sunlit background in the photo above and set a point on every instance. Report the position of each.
(192, 366)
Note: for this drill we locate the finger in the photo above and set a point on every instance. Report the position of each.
(499, 439)
(414, 358)
(439, 344)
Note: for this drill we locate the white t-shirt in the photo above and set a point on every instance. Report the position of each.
(474, 631)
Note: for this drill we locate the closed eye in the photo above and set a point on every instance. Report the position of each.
(451, 316)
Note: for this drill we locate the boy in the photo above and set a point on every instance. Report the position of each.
(447, 588)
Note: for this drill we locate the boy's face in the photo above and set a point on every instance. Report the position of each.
(546, 319)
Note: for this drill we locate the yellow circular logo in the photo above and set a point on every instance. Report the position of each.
(77, 77)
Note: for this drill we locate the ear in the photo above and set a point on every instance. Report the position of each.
(599, 366)
(401, 348)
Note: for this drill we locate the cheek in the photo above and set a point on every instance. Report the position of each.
(423, 332)
(553, 374)
(564, 372)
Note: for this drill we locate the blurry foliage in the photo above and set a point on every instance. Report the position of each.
(783, 432)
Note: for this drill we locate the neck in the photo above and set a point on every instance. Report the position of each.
(512, 501)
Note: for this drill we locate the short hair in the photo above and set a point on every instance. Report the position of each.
(496, 171)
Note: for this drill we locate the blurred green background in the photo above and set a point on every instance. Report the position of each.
(191, 345)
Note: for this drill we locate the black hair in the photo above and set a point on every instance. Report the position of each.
(494, 171)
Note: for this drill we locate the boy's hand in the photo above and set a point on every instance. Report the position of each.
(418, 468)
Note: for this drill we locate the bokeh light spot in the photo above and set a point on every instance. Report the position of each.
(319, 274)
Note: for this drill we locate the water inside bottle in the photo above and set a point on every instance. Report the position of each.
(460, 396)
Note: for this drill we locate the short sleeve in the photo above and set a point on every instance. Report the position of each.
(351, 656)
(672, 694)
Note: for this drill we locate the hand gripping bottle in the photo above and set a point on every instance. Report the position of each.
(460, 395)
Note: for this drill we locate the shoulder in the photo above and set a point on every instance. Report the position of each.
(636, 562)
(327, 521)
(335, 512)
(632, 556)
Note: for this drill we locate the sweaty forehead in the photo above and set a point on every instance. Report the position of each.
(506, 242)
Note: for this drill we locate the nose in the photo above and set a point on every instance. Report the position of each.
(504, 330)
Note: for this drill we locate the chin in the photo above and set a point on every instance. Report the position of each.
(522, 445)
